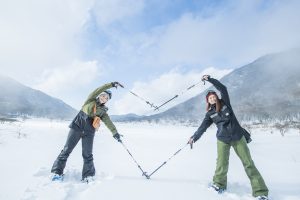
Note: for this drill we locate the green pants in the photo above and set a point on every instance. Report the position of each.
(241, 149)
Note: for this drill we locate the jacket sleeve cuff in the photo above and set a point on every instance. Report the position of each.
(195, 137)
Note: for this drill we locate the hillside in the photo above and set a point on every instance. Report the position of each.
(17, 99)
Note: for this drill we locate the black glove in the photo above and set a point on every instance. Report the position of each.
(117, 136)
(116, 84)
(205, 78)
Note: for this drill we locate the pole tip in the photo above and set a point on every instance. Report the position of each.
(146, 175)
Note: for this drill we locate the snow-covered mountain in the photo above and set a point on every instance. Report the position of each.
(268, 88)
(17, 99)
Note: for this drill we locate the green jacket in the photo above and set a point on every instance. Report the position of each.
(101, 111)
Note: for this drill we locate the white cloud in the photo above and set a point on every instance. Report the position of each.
(159, 90)
(228, 37)
(39, 35)
(36, 35)
(70, 82)
(233, 36)
(107, 12)
(66, 78)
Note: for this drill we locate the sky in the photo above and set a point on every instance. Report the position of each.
(155, 48)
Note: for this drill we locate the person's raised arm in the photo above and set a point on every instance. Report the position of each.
(219, 86)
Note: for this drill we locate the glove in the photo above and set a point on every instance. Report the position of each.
(205, 77)
(117, 136)
(191, 141)
(116, 84)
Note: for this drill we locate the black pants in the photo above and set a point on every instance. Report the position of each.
(87, 152)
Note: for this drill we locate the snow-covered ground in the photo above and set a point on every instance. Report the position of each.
(27, 151)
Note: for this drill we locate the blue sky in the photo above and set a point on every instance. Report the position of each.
(155, 48)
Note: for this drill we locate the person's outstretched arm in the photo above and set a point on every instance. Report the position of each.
(207, 121)
(110, 125)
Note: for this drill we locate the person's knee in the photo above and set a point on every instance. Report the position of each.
(87, 156)
(64, 154)
(247, 162)
(223, 160)
(250, 168)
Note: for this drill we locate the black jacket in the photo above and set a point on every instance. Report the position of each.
(83, 123)
(228, 126)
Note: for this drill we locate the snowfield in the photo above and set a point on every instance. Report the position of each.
(28, 149)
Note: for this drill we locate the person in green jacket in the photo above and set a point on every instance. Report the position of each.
(82, 127)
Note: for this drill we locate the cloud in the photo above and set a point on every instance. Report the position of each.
(63, 79)
(68, 82)
(232, 36)
(159, 90)
(228, 36)
(38, 35)
(107, 12)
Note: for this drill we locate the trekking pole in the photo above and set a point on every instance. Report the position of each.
(177, 95)
(141, 98)
(147, 102)
(167, 160)
(144, 173)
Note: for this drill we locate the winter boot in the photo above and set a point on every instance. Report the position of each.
(88, 179)
(217, 188)
(57, 177)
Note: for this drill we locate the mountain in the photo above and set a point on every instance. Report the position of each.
(125, 118)
(17, 99)
(266, 89)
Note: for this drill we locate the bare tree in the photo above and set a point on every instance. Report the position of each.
(20, 130)
(282, 128)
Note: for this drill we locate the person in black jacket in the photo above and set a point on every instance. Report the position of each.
(229, 134)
